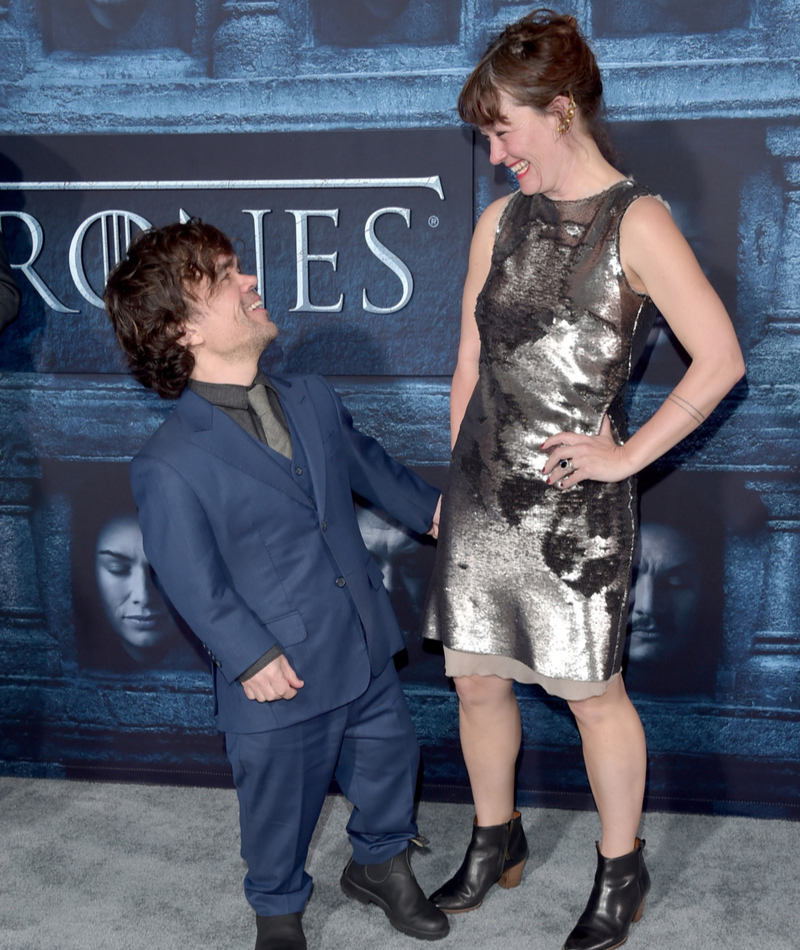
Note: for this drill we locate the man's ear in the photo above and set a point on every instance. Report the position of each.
(190, 335)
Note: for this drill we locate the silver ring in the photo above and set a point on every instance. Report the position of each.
(567, 465)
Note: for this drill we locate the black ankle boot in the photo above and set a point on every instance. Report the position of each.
(617, 901)
(393, 887)
(496, 855)
(284, 932)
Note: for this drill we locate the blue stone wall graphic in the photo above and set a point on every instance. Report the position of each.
(703, 103)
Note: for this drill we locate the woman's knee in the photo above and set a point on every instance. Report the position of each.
(483, 691)
(609, 707)
(587, 712)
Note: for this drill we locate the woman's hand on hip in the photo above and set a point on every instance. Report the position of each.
(574, 458)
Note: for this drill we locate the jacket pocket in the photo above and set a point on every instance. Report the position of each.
(288, 629)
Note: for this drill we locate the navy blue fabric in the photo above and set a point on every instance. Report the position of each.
(254, 552)
(371, 748)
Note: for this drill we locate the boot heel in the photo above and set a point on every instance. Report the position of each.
(617, 901)
(354, 892)
(511, 876)
(496, 855)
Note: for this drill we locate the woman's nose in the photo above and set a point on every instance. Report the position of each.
(141, 585)
(497, 153)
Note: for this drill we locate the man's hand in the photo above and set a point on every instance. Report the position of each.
(433, 531)
(277, 680)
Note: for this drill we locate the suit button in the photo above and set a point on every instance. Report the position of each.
(324, 525)
(298, 471)
(340, 582)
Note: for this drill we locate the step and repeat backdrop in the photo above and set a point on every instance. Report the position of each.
(322, 137)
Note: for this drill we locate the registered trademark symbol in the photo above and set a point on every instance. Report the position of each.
(433, 221)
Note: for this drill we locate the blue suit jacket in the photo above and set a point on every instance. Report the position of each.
(251, 560)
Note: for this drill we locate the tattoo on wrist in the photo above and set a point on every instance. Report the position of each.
(693, 411)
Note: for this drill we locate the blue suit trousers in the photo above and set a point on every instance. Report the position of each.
(282, 777)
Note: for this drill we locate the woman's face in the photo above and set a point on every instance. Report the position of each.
(132, 603)
(528, 143)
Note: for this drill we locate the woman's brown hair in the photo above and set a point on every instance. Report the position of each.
(532, 61)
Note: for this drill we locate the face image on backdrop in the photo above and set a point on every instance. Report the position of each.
(123, 624)
(676, 598)
(406, 562)
(664, 609)
(132, 604)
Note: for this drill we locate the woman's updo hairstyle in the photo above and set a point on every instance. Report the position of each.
(533, 61)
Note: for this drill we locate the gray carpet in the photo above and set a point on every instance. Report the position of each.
(87, 866)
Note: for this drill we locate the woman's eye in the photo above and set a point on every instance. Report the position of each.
(117, 568)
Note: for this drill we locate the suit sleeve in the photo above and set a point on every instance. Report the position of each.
(376, 476)
(9, 291)
(179, 544)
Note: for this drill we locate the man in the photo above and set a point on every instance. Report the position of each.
(670, 649)
(245, 498)
(9, 291)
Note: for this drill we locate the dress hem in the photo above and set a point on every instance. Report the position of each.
(462, 663)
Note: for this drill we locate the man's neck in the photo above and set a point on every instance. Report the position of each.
(225, 374)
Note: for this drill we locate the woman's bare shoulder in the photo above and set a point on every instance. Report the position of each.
(489, 221)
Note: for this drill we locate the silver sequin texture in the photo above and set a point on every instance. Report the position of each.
(523, 569)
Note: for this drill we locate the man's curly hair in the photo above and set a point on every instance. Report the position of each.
(149, 296)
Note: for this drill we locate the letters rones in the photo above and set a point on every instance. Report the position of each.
(114, 230)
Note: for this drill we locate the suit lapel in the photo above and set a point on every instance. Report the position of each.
(215, 432)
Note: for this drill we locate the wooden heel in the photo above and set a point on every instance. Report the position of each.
(511, 876)
(492, 848)
(638, 915)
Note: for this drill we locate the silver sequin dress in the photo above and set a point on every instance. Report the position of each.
(523, 570)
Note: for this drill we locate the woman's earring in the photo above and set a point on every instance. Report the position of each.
(566, 122)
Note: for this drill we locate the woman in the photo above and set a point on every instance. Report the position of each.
(538, 526)
(131, 601)
(122, 623)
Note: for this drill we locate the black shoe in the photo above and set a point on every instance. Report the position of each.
(284, 932)
(393, 887)
(496, 855)
(617, 901)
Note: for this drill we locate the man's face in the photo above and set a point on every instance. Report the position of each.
(665, 596)
(232, 322)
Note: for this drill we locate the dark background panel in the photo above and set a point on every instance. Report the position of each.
(420, 338)
(704, 100)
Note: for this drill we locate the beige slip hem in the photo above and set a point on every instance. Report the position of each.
(459, 663)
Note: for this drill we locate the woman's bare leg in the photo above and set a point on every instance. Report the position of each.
(491, 733)
(615, 754)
